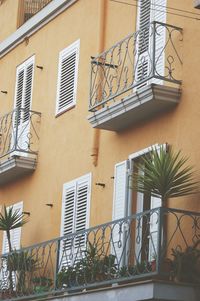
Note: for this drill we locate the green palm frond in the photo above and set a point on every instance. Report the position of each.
(165, 175)
(11, 219)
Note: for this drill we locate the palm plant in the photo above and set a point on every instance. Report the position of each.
(164, 174)
(11, 219)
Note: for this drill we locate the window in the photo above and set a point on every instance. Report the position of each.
(15, 233)
(75, 215)
(24, 86)
(22, 105)
(67, 78)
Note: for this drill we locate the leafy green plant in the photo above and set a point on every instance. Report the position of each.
(137, 269)
(11, 219)
(164, 174)
(186, 264)
(91, 268)
(21, 263)
(42, 284)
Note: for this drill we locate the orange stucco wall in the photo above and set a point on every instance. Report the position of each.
(66, 141)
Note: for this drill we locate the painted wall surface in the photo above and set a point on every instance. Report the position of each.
(8, 18)
(66, 141)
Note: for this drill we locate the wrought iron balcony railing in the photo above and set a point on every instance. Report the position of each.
(147, 244)
(150, 55)
(19, 133)
(28, 8)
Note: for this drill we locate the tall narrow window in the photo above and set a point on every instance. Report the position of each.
(75, 216)
(22, 105)
(24, 87)
(67, 77)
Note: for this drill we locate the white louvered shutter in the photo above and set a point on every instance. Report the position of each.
(67, 221)
(120, 208)
(28, 90)
(81, 222)
(67, 77)
(149, 11)
(23, 100)
(75, 217)
(143, 41)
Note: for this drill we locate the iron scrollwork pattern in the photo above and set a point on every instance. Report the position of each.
(150, 55)
(123, 250)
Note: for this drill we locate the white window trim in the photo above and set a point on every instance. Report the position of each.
(65, 52)
(145, 151)
(87, 177)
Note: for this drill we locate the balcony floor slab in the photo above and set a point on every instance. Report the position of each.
(141, 105)
(140, 291)
(15, 167)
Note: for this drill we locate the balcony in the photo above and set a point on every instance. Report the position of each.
(28, 8)
(125, 259)
(19, 139)
(137, 79)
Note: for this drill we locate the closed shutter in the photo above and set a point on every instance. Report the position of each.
(28, 90)
(24, 85)
(19, 91)
(75, 217)
(149, 11)
(15, 234)
(67, 78)
(120, 208)
(23, 100)
(81, 223)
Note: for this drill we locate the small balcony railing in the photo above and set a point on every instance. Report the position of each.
(28, 8)
(19, 133)
(143, 245)
(150, 55)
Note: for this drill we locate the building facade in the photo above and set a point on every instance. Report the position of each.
(67, 163)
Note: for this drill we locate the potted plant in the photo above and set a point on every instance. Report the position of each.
(186, 264)
(165, 175)
(11, 219)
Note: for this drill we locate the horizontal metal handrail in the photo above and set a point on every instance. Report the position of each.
(148, 55)
(127, 249)
(19, 132)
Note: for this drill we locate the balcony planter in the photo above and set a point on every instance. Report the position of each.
(186, 264)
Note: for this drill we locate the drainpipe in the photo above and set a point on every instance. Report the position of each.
(102, 8)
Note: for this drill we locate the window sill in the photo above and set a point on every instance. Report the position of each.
(65, 110)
